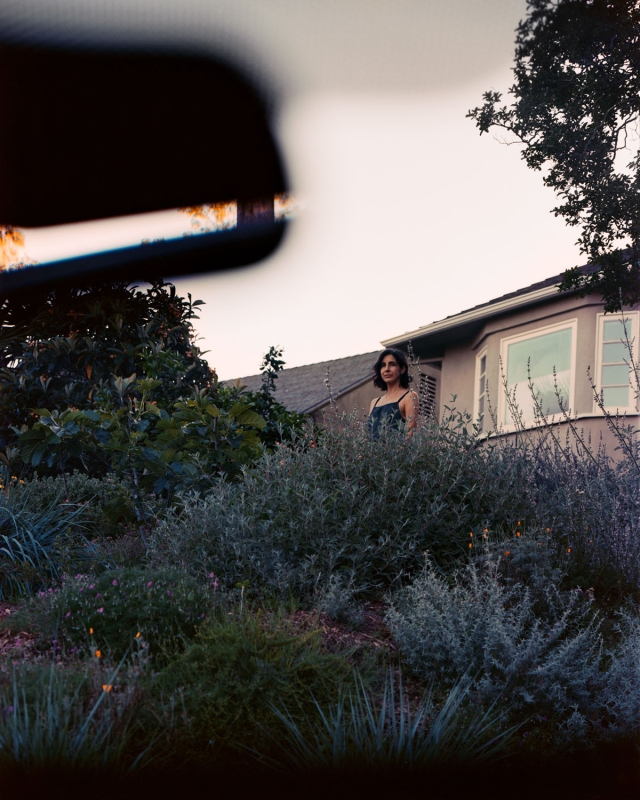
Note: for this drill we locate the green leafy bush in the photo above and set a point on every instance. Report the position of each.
(106, 611)
(236, 670)
(67, 345)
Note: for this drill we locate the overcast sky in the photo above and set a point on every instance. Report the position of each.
(409, 216)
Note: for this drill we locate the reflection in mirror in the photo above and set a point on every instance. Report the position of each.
(30, 247)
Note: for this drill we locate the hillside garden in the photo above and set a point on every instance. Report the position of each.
(196, 581)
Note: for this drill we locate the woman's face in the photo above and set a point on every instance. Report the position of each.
(390, 370)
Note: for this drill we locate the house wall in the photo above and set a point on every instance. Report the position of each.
(358, 400)
(459, 362)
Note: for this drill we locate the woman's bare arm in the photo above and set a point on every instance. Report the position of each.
(410, 408)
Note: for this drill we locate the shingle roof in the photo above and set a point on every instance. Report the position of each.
(304, 389)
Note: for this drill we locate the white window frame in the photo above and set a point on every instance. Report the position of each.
(601, 319)
(476, 392)
(532, 334)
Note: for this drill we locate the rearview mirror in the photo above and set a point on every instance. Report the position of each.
(88, 134)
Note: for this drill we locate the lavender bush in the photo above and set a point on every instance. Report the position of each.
(541, 657)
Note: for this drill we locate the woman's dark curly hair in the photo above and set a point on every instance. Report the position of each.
(400, 357)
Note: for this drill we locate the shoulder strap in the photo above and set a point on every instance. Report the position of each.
(376, 403)
(404, 395)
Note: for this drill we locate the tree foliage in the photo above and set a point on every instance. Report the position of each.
(575, 108)
(110, 380)
(69, 347)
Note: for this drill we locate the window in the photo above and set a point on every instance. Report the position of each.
(481, 390)
(616, 348)
(546, 357)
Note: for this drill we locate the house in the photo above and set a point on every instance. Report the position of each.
(489, 357)
(563, 343)
(332, 388)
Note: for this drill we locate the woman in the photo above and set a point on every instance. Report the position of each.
(398, 407)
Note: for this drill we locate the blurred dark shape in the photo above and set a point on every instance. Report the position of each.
(88, 135)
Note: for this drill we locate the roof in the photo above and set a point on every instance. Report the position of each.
(429, 340)
(304, 389)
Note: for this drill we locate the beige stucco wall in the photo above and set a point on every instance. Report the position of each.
(358, 400)
(459, 362)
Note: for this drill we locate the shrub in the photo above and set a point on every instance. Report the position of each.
(107, 611)
(237, 669)
(547, 660)
(351, 506)
(542, 657)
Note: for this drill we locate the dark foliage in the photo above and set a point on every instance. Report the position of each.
(66, 347)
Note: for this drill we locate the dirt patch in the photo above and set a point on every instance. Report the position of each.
(341, 636)
(21, 644)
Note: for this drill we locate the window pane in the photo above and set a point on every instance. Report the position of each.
(614, 330)
(617, 351)
(615, 374)
(483, 365)
(482, 382)
(540, 354)
(616, 396)
(481, 406)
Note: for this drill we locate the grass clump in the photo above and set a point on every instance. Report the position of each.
(31, 532)
(54, 718)
(361, 730)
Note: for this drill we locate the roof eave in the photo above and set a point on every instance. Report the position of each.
(449, 325)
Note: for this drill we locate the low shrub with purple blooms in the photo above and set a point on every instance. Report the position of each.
(106, 611)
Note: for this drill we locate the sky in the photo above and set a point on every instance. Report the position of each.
(408, 215)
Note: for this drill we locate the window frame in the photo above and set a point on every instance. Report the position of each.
(532, 334)
(631, 409)
(476, 391)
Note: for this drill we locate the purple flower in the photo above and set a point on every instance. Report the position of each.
(149, 584)
(100, 610)
(114, 582)
(92, 586)
(169, 593)
(67, 615)
(98, 595)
